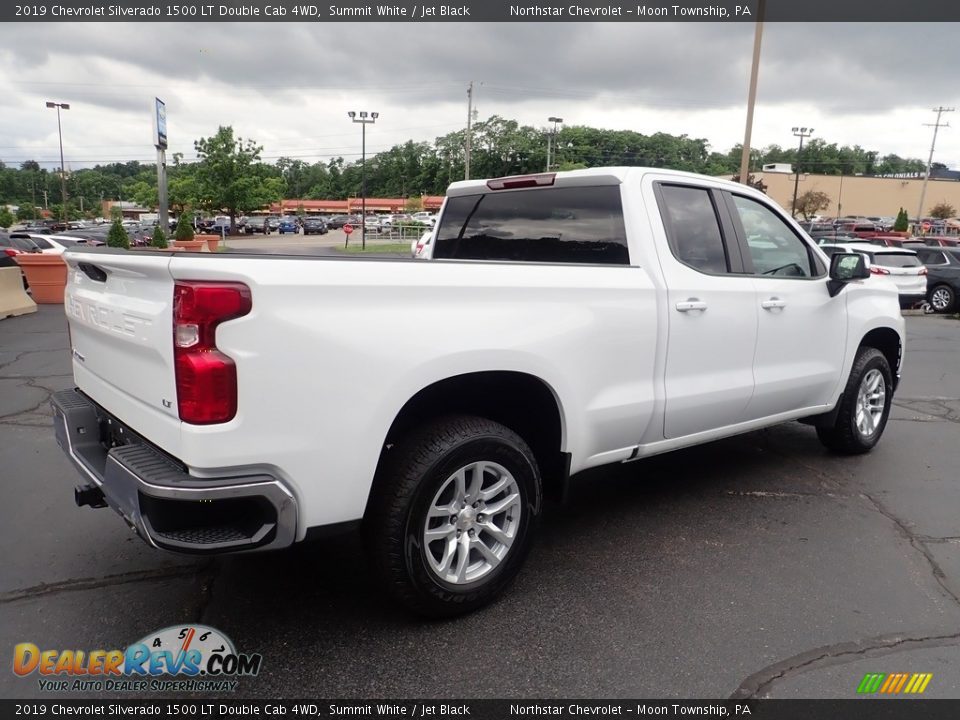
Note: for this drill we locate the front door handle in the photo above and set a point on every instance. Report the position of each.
(691, 304)
(773, 304)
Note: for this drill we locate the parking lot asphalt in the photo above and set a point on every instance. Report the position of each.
(759, 566)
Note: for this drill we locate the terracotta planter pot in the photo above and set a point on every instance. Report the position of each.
(212, 241)
(47, 275)
(194, 245)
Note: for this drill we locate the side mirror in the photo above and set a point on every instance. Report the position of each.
(844, 268)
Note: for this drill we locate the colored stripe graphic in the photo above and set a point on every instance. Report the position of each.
(894, 683)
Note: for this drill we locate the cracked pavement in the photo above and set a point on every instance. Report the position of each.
(759, 566)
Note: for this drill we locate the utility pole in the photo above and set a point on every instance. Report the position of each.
(926, 178)
(551, 134)
(45, 199)
(752, 94)
(466, 153)
(800, 133)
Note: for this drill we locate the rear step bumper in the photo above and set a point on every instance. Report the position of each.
(166, 506)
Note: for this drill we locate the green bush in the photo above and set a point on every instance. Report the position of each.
(159, 239)
(117, 237)
(902, 221)
(184, 229)
(6, 218)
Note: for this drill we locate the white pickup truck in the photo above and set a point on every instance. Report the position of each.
(236, 402)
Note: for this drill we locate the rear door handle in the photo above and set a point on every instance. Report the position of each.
(773, 303)
(692, 304)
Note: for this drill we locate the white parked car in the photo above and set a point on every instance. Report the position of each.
(422, 247)
(56, 244)
(900, 266)
(566, 321)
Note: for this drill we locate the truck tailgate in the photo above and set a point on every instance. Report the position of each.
(120, 309)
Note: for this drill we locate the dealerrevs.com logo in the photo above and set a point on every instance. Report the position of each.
(179, 658)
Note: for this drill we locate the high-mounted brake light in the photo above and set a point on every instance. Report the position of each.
(522, 181)
(206, 378)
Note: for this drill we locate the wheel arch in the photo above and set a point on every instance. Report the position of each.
(888, 341)
(520, 401)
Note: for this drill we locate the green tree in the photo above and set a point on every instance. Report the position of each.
(902, 222)
(753, 182)
(229, 177)
(811, 202)
(117, 237)
(6, 218)
(942, 210)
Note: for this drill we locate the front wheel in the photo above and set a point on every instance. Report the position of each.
(864, 406)
(453, 514)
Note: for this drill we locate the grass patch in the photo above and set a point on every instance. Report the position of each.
(354, 248)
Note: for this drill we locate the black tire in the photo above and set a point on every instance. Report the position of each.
(410, 477)
(846, 436)
(946, 298)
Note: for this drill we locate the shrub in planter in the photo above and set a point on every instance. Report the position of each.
(159, 239)
(117, 237)
(184, 231)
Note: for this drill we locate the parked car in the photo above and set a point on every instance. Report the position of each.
(422, 247)
(900, 266)
(54, 244)
(861, 230)
(572, 319)
(338, 221)
(314, 226)
(943, 280)
(16, 244)
(942, 240)
(288, 225)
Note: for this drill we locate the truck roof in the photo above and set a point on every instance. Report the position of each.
(580, 178)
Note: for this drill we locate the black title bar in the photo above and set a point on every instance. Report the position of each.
(859, 11)
(891, 708)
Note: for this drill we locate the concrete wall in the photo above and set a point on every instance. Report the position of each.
(864, 195)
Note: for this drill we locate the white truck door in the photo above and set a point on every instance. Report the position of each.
(802, 331)
(711, 309)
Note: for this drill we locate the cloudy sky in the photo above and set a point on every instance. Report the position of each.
(289, 86)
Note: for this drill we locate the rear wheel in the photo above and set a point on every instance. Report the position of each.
(942, 298)
(864, 406)
(453, 515)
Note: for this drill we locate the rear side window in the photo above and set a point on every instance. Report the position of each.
(932, 258)
(694, 231)
(553, 225)
(896, 260)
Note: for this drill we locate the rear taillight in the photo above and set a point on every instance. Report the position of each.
(206, 378)
(879, 270)
(11, 251)
(923, 271)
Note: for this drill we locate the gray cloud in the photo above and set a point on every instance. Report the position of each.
(418, 70)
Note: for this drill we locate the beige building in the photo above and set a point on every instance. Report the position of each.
(866, 196)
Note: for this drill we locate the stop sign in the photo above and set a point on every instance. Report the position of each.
(348, 228)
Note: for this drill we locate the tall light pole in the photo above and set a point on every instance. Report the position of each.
(63, 170)
(364, 119)
(800, 133)
(550, 135)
